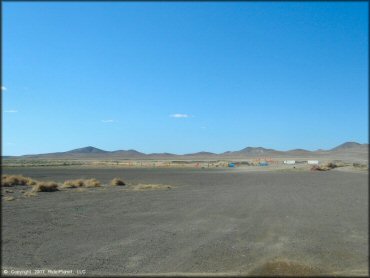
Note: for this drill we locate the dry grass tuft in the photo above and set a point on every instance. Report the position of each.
(327, 166)
(360, 165)
(9, 198)
(45, 186)
(92, 183)
(8, 181)
(319, 168)
(81, 183)
(285, 268)
(142, 187)
(117, 181)
(332, 165)
(29, 194)
(73, 183)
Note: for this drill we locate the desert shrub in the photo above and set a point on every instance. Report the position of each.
(142, 187)
(29, 193)
(319, 168)
(359, 165)
(31, 181)
(45, 186)
(327, 166)
(13, 180)
(331, 165)
(92, 183)
(73, 183)
(81, 183)
(117, 181)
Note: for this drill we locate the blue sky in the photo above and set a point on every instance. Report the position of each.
(183, 77)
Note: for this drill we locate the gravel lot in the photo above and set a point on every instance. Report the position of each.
(210, 221)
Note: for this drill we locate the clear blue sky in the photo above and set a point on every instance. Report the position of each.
(183, 77)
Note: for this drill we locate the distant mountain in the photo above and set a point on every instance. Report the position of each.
(348, 145)
(299, 152)
(255, 150)
(252, 151)
(128, 153)
(86, 150)
(348, 148)
(161, 155)
(200, 154)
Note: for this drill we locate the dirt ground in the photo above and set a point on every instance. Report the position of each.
(209, 221)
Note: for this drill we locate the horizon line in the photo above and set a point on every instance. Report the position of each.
(196, 152)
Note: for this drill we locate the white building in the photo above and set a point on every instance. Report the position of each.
(289, 162)
(313, 162)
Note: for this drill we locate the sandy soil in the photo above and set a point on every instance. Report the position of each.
(209, 222)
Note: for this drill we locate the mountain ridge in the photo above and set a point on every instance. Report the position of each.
(88, 149)
(347, 145)
(248, 151)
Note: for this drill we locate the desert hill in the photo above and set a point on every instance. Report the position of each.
(345, 150)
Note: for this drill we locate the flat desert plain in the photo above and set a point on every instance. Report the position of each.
(199, 221)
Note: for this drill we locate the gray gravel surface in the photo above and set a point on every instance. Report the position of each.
(211, 221)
